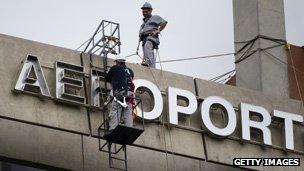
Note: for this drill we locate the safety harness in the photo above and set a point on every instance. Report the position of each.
(125, 95)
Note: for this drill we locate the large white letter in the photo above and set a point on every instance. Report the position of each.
(158, 100)
(31, 78)
(69, 82)
(247, 123)
(288, 126)
(173, 108)
(205, 112)
(96, 87)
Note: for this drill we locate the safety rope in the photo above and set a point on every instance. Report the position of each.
(295, 75)
(280, 42)
(263, 37)
(163, 132)
(223, 81)
(243, 57)
(136, 52)
(194, 58)
(166, 150)
(292, 66)
(294, 71)
(246, 54)
(222, 75)
(163, 124)
(157, 84)
(283, 62)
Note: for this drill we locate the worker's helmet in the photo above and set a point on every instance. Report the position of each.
(147, 5)
(120, 58)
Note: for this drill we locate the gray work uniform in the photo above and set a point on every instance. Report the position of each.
(115, 114)
(121, 81)
(150, 42)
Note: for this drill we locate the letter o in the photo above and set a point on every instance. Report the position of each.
(205, 108)
(158, 100)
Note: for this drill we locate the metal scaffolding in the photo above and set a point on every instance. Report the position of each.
(105, 40)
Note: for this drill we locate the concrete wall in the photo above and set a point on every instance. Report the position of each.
(260, 71)
(63, 136)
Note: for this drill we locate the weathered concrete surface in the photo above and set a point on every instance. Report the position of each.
(260, 71)
(30, 108)
(217, 151)
(236, 95)
(185, 140)
(40, 145)
(144, 159)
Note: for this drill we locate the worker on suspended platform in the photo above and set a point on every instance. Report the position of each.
(149, 32)
(121, 79)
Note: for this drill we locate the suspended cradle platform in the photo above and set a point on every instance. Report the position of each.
(123, 135)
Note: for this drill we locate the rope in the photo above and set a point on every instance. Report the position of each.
(248, 53)
(292, 66)
(294, 71)
(292, 63)
(210, 56)
(193, 58)
(157, 84)
(299, 90)
(136, 53)
(283, 62)
(251, 42)
(263, 37)
(161, 67)
(163, 124)
(243, 57)
(226, 79)
(221, 76)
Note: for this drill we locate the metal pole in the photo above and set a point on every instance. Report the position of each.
(126, 165)
(110, 156)
(118, 37)
(142, 114)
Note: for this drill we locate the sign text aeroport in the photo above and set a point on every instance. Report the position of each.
(68, 76)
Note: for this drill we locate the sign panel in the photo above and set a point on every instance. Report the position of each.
(70, 87)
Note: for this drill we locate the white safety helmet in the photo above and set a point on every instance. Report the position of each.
(147, 5)
(120, 58)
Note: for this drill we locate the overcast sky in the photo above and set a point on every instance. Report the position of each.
(195, 28)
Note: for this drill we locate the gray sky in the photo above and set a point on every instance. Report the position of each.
(195, 28)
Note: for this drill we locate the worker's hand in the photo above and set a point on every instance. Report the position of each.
(154, 33)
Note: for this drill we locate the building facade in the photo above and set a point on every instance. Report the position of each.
(49, 134)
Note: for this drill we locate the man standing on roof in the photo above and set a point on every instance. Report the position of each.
(120, 77)
(148, 34)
